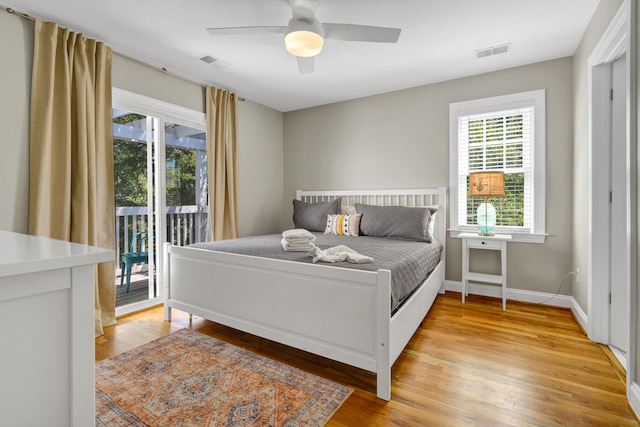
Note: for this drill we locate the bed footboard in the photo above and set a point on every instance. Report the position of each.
(338, 313)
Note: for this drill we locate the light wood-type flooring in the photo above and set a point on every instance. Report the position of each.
(467, 365)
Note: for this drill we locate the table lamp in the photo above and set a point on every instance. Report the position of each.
(486, 184)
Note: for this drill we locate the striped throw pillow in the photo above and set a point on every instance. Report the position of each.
(343, 225)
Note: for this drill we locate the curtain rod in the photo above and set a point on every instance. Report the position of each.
(21, 15)
(161, 69)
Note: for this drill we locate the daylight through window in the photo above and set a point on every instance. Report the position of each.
(499, 142)
(500, 134)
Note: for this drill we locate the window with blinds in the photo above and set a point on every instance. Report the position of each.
(504, 133)
(498, 141)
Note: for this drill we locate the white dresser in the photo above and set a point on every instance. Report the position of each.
(47, 331)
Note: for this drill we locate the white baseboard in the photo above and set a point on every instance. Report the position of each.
(633, 396)
(565, 301)
(579, 314)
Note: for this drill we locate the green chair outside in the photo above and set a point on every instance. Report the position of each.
(134, 256)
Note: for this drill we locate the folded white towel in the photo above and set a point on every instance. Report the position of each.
(297, 246)
(298, 234)
(339, 253)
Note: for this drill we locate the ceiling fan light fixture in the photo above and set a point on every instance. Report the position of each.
(303, 38)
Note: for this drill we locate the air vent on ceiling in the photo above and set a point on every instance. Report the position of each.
(495, 50)
(212, 60)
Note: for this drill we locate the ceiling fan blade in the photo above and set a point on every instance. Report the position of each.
(361, 33)
(234, 31)
(305, 64)
(304, 9)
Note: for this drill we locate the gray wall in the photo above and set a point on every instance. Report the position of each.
(401, 139)
(138, 78)
(260, 136)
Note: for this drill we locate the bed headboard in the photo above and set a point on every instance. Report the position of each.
(408, 197)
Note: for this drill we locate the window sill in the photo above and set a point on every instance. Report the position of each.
(515, 237)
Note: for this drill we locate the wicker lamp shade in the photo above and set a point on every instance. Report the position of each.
(486, 184)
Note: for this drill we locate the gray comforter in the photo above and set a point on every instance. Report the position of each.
(410, 262)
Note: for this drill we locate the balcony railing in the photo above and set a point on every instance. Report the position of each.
(185, 225)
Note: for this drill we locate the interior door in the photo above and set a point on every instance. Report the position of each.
(619, 286)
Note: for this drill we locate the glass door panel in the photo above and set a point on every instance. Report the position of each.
(186, 184)
(133, 145)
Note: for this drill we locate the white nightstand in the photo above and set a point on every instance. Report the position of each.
(496, 242)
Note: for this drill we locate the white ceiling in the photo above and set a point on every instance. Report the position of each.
(437, 41)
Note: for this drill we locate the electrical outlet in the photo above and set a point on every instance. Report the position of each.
(577, 275)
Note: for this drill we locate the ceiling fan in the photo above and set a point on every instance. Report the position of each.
(305, 35)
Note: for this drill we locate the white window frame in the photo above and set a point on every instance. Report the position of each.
(537, 233)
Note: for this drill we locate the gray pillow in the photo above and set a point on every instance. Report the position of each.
(313, 216)
(399, 222)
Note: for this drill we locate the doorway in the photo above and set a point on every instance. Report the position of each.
(612, 237)
(160, 164)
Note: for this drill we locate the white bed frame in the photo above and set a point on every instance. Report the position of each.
(339, 313)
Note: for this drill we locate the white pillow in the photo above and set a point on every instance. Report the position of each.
(348, 210)
(432, 221)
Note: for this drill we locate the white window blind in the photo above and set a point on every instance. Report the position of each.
(498, 141)
(504, 133)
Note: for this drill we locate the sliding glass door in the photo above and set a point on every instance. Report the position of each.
(186, 184)
(133, 157)
(160, 188)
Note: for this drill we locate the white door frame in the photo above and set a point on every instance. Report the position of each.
(163, 112)
(618, 39)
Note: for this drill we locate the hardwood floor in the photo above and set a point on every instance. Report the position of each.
(467, 365)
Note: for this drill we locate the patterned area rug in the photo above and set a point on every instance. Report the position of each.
(190, 379)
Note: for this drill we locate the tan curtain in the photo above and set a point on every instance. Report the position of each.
(222, 162)
(71, 195)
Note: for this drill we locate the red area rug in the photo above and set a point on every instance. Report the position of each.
(190, 379)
